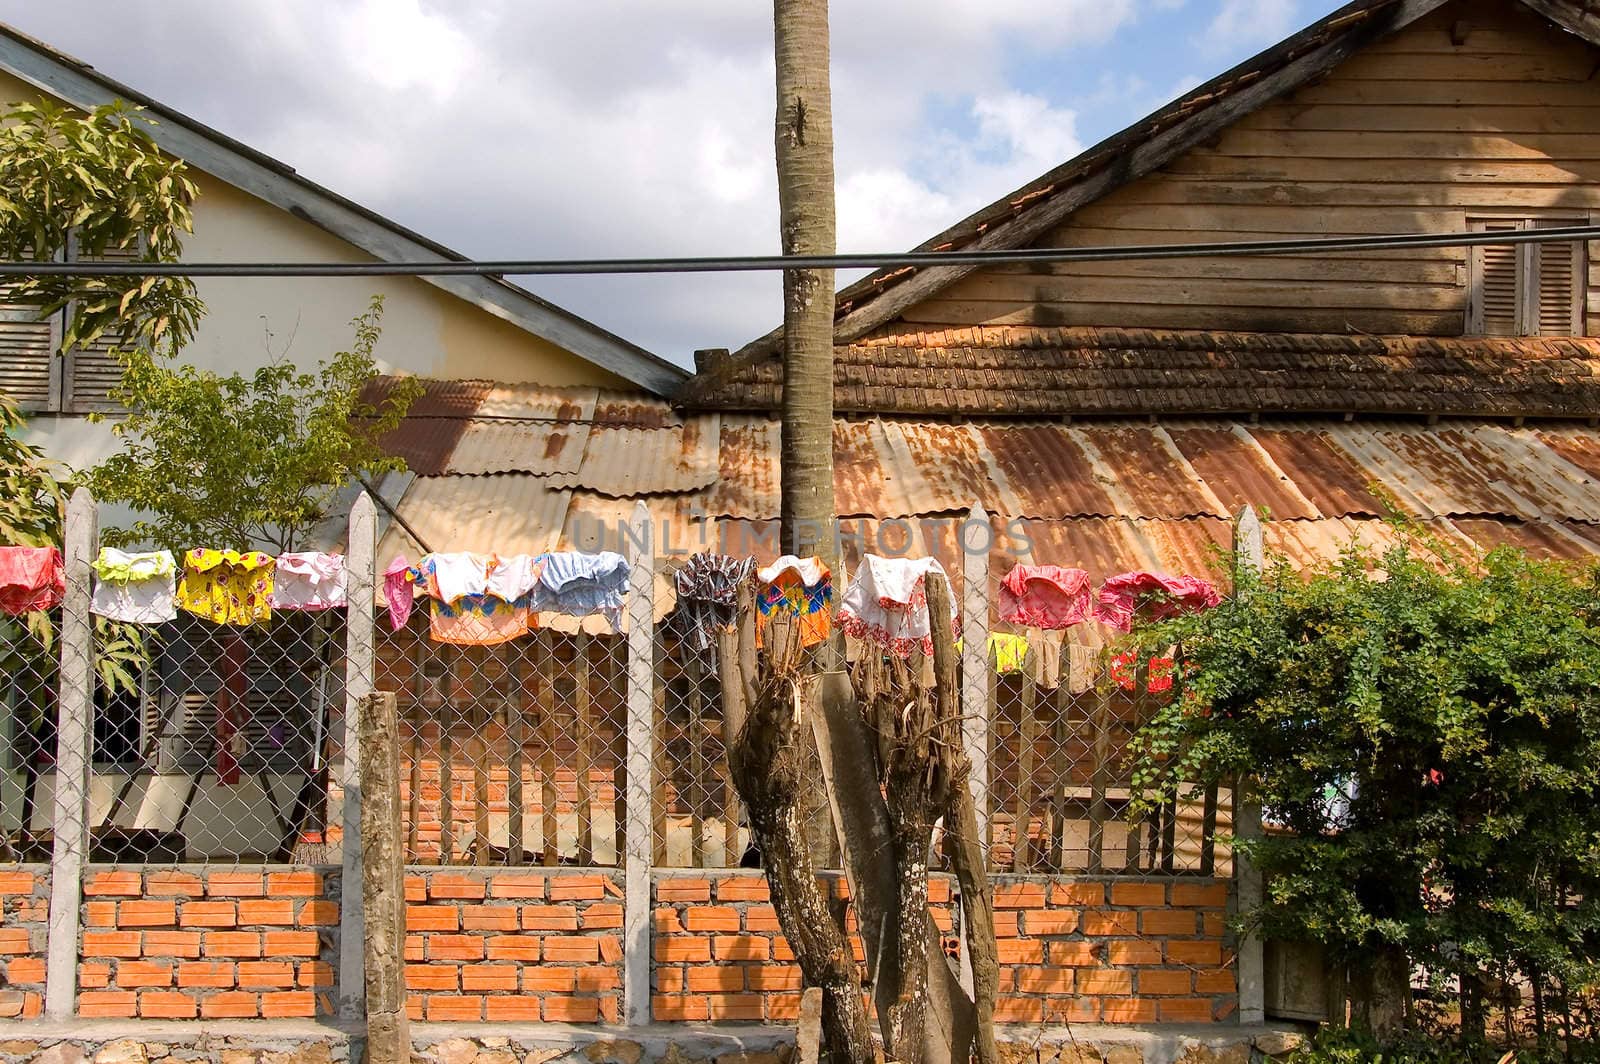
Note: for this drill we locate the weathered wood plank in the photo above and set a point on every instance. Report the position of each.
(1135, 315)
(1194, 292)
(583, 765)
(1138, 160)
(549, 796)
(1022, 819)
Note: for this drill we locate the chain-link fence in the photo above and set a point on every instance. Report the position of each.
(30, 671)
(218, 742)
(697, 822)
(224, 743)
(1063, 715)
(510, 754)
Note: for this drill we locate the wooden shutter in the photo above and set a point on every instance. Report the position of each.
(1555, 292)
(1495, 304)
(90, 370)
(28, 366)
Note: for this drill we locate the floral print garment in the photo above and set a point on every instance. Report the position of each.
(227, 586)
(799, 589)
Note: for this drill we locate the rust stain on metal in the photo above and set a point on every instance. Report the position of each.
(1047, 473)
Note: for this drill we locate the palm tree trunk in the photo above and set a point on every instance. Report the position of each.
(804, 134)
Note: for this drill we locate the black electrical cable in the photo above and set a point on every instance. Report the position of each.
(753, 263)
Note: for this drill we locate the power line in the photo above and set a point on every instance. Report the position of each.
(755, 263)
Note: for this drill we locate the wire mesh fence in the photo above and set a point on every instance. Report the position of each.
(223, 743)
(1060, 787)
(511, 754)
(30, 667)
(697, 820)
(217, 745)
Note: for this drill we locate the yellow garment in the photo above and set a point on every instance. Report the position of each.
(227, 586)
(1007, 652)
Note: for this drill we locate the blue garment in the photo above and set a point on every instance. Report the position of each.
(578, 584)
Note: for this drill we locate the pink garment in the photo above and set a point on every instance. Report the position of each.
(31, 578)
(1152, 596)
(1045, 596)
(399, 587)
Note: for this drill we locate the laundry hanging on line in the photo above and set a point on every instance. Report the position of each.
(797, 589)
(308, 580)
(1151, 597)
(227, 586)
(708, 588)
(31, 578)
(1048, 597)
(135, 587)
(887, 605)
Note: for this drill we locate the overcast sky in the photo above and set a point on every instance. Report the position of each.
(620, 128)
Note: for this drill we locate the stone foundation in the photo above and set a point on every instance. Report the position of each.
(312, 1042)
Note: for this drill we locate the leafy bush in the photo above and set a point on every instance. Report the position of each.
(1459, 705)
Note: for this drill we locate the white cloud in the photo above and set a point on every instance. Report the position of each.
(1249, 24)
(608, 129)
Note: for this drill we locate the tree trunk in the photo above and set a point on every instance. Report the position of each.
(804, 136)
(1380, 989)
(767, 768)
(961, 824)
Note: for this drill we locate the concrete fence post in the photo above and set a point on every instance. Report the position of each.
(383, 881)
(976, 541)
(360, 579)
(1249, 555)
(640, 764)
(74, 734)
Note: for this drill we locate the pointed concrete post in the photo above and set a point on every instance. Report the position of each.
(383, 896)
(976, 540)
(641, 755)
(360, 565)
(1249, 555)
(75, 708)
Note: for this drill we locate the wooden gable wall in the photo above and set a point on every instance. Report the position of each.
(1415, 134)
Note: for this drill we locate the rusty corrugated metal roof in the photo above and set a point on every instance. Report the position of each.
(1104, 496)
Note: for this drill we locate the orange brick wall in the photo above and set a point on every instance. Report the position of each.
(514, 945)
(24, 922)
(1071, 949)
(1115, 950)
(209, 943)
(545, 944)
(720, 956)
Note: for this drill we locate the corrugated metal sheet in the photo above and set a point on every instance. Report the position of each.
(624, 461)
(504, 513)
(1106, 497)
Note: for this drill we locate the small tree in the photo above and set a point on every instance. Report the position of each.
(239, 461)
(94, 183)
(1457, 707)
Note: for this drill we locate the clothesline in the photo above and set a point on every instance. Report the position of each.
(479, 599)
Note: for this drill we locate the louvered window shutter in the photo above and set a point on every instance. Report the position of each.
(1555, 298)
(90, 370)
(29, 371)
(1495, 303)
(1527, 289)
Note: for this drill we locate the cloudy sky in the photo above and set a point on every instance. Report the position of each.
(620, 128)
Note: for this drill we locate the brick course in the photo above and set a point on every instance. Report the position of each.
(24, 924)
(1112, 950)
(502, 945)
(182, 944)
(544, 945)
(719, 954)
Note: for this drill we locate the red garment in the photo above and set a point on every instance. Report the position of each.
(1152, 596)
(31, 578)
(1045, 596)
